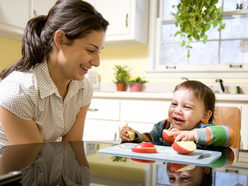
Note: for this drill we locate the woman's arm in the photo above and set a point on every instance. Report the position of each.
(17, 130)
(77, 130)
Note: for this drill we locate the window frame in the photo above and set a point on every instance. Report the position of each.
(155, 70)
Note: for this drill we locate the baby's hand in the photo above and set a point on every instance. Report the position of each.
(124, 135)
(184, 135)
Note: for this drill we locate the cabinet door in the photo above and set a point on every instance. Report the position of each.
(117, 12)
(101, 109)
(144, 111)
(95, 130)
(42, 7)
(14, 15)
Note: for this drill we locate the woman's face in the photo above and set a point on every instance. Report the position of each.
(190, 177)
(185, 111)
(77, 58)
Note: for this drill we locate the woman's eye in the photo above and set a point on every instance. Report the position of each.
(90, 51)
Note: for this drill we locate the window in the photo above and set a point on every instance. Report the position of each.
(224, 55)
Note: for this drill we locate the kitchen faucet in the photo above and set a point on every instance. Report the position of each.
(182, 78)
(221, 84)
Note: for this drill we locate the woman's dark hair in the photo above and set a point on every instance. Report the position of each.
(207, 179)
(202, 93)
(76, 18)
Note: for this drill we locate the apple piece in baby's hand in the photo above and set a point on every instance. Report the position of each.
(131, 134)
(167, 138)
(176, 167)
(184, 147)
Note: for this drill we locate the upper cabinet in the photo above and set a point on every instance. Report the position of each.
(128, 18)
(39, 7)
(14, 15)
(128, 21)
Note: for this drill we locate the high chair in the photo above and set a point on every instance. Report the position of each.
(229, 116)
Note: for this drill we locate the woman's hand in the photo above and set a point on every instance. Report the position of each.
(124, 135)
(183, 135)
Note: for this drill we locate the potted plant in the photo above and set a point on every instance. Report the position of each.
(122, 77)
(196, 17)
(135, 83)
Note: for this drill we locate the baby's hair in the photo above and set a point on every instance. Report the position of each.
(202, 93)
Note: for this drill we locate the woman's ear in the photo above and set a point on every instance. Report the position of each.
(206, 170)
(59, 38)
(206, 116)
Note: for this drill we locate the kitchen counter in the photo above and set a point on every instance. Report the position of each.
(162, 96)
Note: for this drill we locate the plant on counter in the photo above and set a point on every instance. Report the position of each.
(136, 80)
(135, 83)
(196, 17)
(122, 76)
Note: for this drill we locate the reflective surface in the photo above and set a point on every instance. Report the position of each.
(68, 163)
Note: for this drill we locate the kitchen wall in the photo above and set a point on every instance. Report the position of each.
(133, 56)
(10, 52)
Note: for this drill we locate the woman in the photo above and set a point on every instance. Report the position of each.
(45, 95)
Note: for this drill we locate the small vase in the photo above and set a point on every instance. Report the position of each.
(120, 86)
(135, 87)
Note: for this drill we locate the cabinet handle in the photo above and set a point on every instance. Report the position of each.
(127, 20)
(92, 110)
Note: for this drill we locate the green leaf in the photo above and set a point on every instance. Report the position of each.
(183, 44)
(177, 32)
(205, 37)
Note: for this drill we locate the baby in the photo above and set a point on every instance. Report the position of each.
(191, 114)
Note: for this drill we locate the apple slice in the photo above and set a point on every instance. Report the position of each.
(144, 147)
(131, 134)
(142, 161)
(184, 147)
(167, 138)
(176, 167)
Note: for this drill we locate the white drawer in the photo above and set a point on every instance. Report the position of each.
(144, 111)
(104, 109)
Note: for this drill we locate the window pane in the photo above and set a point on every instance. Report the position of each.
(168, 7)
(173, 54)
(231, 52)
(168, 32)
(204, 53)
(213, 33)
(229, 5)
(235, 27)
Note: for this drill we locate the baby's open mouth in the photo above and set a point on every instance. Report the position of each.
(177, 119)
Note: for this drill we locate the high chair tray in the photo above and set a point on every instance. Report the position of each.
(165, 154)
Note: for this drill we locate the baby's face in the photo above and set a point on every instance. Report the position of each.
(185, 111)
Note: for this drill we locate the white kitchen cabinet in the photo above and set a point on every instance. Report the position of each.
(106, 117)
(102, 120)
(128, 21)
(14, 15)
(41, 7)
(142, 115)
(128, 18)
